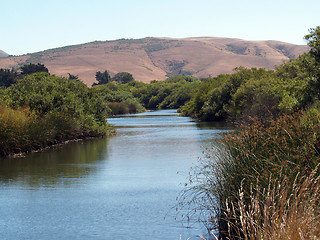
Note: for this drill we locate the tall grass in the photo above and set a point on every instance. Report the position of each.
(260, 167)
(281, 211)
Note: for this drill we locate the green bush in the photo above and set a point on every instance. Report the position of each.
(115, 96)
(42, 109)
(169, 94)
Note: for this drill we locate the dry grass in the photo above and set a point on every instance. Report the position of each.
(278, 212)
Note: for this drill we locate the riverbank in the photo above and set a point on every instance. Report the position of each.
(43, 110)
(54, 146)
(22, 132)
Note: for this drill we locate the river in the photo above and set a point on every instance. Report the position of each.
(120, 187)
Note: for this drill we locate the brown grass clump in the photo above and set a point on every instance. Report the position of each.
(278, 212)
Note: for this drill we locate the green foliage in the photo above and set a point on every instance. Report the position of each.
(156, 45)
(299, 76)
(119, 99)
(313, 39)
(33, 68)
(169, 94)
(214, 99)
(256, 92)
(314, 42)
(176, 69)
(7, 77)
(71, 76)
(102, 78)
(241, 50)
(123, 78)
(42, 109)
(150, 69)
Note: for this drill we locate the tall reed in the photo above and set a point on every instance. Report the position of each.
(259, 153)
(281, 211)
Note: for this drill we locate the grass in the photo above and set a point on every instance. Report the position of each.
(260, 181)
(281, 211)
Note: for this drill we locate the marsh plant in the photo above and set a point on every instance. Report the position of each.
(283, 210)
(258, 180)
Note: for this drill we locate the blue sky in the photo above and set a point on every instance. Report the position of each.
(36, 25)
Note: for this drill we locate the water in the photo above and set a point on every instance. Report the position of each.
(122, 187)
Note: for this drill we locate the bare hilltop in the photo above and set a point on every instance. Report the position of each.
(150, 59)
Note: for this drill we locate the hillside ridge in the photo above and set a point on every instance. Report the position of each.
(158, 58)
(3, 54)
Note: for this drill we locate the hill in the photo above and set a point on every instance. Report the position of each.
(156, 58)
(3, 54)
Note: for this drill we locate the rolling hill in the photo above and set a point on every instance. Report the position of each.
(157, 58)
(3, 54)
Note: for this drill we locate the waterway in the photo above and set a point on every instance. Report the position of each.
(120, 187)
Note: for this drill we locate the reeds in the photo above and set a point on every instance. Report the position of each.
(283, 211)
(259, 182)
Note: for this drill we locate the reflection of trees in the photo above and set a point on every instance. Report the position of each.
(55, 166)
(218, 125)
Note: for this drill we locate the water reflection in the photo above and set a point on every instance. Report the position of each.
(224, 126)
(61, 165)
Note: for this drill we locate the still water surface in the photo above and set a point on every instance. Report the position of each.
(121, 187)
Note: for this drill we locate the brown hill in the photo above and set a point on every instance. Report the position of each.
(156, 58)
(3, 54)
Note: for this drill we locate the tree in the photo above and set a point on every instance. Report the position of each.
(123, 77)
(33, 68)
(314, 42)
(102, 78)
(73, 76)
(7, 77)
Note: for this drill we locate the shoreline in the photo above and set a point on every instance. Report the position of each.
(52, 146)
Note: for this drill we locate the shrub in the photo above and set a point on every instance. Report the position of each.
(13, 126)
(58, 110)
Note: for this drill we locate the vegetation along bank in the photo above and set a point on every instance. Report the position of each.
(38, 110)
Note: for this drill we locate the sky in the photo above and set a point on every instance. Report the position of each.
(29, 26)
